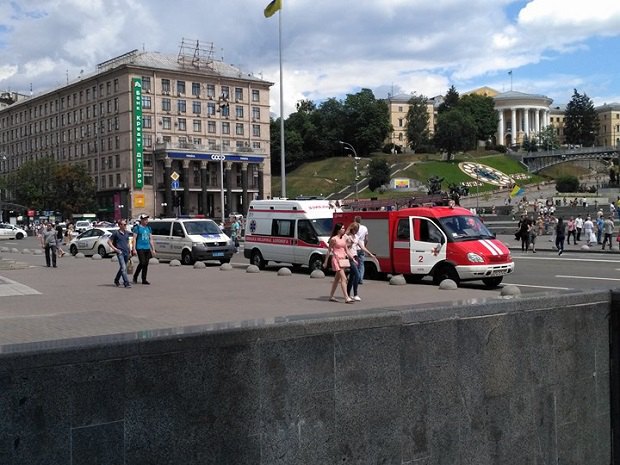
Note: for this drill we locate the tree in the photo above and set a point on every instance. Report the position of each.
(580, 120)
(45, 184)
(547, 139)
(378, 173)
(417, 122)
(482, 110)
(450, 100)
(567, 184)
(456, 131)
(367, 123)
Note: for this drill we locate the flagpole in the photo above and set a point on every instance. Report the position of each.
(282, 162)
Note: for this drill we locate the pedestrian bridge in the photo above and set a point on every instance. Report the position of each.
(536, 161)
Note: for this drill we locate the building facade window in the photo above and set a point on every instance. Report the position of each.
(146, 84)
(256, 130)
(239, 111)
(196, 107)
(182, 124)
(182, 106)
(256, 113)
(211, 127)
(225, 128)
(238, 94)
(225, 92)
(147, 122)
(166, 122)
(165, 85)
(211, 108)
(255, 95)
(181, 87)
(239, 129)
(165, 104)
(211, 90)
(196, 89)
(197, 124)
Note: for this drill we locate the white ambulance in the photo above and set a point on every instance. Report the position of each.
(288, 231)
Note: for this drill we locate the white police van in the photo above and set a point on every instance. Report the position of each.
(288, 231)
(190, 240)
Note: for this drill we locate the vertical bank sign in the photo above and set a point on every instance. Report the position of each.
(136, 85)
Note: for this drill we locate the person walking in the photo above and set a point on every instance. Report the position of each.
(144, 247)
(608, 231)
(235, 232)
(362, 236)
(523, 228)
(356, 246)
(588, 231)
(339, 251)
(571, 231)
(48, 243)
(560, 234)
(600, 222)
(531, 236)
(119, 242)
(59, 238)
(578, 227)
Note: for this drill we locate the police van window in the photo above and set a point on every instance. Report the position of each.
(160, 228)
(402, 231)
(429, 232)
(306, 233)
(282, 228)
(177, 230)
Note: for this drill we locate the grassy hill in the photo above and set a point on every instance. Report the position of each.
(336, 173)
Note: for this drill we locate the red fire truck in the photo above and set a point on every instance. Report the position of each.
(443, 242)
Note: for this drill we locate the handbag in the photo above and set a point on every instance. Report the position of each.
(129, 265)
(344, 263)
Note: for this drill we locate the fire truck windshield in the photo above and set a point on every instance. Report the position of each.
(464, 228)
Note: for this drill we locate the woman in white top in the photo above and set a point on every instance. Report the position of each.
(355, 245)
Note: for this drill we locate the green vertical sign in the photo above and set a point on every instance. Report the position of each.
(136, 85)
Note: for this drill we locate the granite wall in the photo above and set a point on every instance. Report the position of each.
(524, 381)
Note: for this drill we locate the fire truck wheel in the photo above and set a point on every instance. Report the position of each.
(258, 260)
(445, 271)
(413, 278)
(493, 282)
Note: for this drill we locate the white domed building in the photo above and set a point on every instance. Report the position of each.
(520, 115)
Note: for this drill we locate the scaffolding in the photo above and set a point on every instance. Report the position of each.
(194, 56)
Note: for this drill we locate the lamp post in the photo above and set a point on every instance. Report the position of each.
(346, 145)
(223, 105)
(120, 210)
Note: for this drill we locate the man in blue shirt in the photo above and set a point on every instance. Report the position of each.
(119, 242)
(144, 247)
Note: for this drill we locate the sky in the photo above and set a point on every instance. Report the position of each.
(331, 48)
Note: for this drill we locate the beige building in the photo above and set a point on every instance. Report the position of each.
(160, 134)
(609, 125)
(398, 106)
(521, 115)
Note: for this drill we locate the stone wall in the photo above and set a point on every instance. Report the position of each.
(504, 382)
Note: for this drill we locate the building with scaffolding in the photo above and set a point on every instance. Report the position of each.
(160, 134)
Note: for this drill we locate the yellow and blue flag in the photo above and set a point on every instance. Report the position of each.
(516, 191)
(272, 8)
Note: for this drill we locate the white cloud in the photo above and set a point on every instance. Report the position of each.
(331, 48)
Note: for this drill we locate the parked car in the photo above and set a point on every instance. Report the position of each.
(82, 225)
(92, 241)
(9, 231)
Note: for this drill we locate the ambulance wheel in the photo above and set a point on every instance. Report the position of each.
(445, 271)
(493, 282)
(257, 259)
(186, 258)
(315, 263)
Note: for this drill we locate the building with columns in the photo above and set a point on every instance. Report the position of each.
(160, 134)
(521, 116)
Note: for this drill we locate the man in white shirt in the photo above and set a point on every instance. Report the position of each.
(362, 236)
(579, 226)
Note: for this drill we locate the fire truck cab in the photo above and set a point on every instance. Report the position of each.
(443, 242)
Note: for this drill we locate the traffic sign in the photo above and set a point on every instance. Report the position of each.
(175, 176)
(175, 184)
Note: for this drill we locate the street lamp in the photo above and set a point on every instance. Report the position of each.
(223, 105)
(164, 207)
(346, 145)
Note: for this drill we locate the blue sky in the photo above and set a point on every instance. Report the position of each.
(332, 48)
